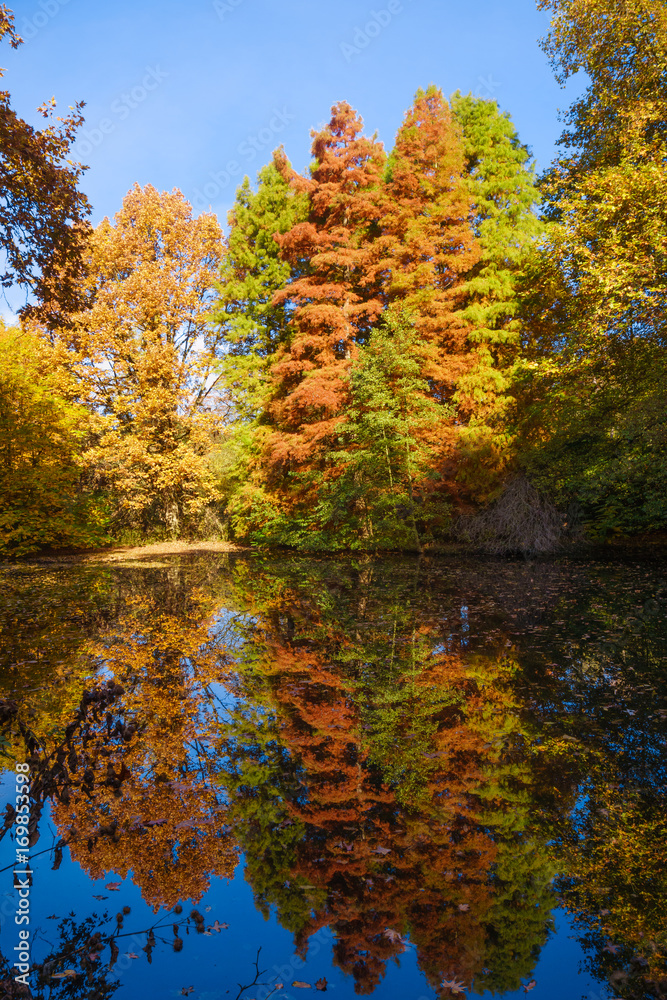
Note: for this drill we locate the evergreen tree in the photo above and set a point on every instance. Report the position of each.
(253, 326)
(504, 195)
(382, 482)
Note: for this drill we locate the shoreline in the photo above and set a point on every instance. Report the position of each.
(122, 553)
(639, 546)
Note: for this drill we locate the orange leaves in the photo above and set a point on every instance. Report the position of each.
(430, 245)
(334, 301)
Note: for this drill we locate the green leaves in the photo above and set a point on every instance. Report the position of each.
(252, 271)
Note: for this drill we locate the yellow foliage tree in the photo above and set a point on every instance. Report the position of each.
(144, 355)
(42, 496)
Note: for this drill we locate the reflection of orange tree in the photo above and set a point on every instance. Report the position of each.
(377, 850)
(140, 796)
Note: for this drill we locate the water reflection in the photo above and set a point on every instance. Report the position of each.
(414, 755)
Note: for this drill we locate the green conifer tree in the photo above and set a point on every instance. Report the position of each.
(252, 271)
(501, 181)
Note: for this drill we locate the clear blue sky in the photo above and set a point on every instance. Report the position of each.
(177, 90)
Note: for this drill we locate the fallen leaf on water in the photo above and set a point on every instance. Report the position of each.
(302, 986)
(530, 986)
(187, 990)
(321, 984)
(454, 985)
(613, 949)
(383, 850)
(463, 907)
(114, 886)
(52, 917)
(131, 954)
(100, 897)
(93, 956)
(219, 927)
(208, 908)
(67, 974)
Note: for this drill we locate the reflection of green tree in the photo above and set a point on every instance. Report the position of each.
(520, 914)
(259, 776)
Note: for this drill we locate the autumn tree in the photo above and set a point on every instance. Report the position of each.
(332, 301)
(337, 300)
(606, 190)
(428, 244)
(144, 356)
(42, 212)
(592, 411)
(45, 499)
(379, 234)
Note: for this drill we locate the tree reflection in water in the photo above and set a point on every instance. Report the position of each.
(406, 754)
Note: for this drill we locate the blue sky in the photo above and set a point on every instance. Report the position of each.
(196, 94)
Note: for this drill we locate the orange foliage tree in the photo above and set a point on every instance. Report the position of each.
(427, 236)
(42, 213)
(381, 234)
(337, 300)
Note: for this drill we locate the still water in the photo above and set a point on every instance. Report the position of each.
(261, 776)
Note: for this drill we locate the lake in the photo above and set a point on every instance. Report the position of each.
(246, 775)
